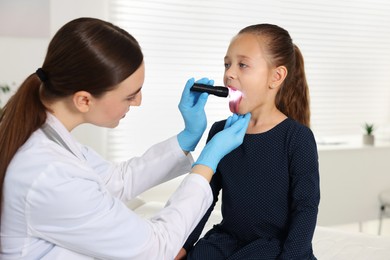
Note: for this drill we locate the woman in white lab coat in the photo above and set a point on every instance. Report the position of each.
(60, 199)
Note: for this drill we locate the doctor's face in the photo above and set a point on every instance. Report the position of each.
(109, 109)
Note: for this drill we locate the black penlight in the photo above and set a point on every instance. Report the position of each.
(215, 90)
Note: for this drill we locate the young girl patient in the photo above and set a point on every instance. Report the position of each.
(270, 183)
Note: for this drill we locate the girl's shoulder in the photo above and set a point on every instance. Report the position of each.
(293, 126)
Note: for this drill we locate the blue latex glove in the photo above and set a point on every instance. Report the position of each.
(191, 107)
(225, 141)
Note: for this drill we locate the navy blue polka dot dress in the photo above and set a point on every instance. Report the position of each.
(270, 197)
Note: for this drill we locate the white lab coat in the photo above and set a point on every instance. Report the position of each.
(59, 205)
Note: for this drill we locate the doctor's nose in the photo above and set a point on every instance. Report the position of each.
(136, 102)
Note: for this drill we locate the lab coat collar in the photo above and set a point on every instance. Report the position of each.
(65, 135)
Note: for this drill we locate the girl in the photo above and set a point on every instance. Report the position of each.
(270, 183)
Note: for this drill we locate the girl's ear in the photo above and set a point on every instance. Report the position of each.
(82, 101)
(279, 74)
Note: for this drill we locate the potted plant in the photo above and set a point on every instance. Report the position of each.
(368, 137)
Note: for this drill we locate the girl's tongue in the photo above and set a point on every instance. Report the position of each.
(234, 99)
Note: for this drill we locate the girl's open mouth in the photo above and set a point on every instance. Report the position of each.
(234, 99)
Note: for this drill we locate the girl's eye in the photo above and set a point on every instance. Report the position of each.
(242, 65)
(227, 65)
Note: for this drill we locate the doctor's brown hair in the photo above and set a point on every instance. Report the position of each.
(85, 54)
(292, 98)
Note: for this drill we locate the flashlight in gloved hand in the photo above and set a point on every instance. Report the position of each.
(214, 90)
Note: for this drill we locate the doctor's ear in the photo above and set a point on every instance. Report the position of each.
(279, 74)
(82, 101)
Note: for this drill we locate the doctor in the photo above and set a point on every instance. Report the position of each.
(60, 199)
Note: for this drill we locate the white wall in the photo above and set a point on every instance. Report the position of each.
(351, 179)
(64, 11)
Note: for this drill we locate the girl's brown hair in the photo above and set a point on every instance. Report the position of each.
(292, 98)
(85, 54)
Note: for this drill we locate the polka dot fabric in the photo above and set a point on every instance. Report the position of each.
(270, 198)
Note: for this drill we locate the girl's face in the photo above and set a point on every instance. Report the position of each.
(109, 109)
(247, 71)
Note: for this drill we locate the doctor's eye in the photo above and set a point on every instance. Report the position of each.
(132, 98)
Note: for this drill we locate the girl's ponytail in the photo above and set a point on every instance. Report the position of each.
(293, 97)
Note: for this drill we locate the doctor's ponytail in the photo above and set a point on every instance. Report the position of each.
(22, 115)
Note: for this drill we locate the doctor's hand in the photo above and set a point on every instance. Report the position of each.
(191, 107)
(225, 141)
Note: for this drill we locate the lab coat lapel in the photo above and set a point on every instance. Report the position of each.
(57, 132)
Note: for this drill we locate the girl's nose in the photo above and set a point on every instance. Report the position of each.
(230, 74)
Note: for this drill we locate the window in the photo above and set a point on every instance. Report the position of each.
(346, 46)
